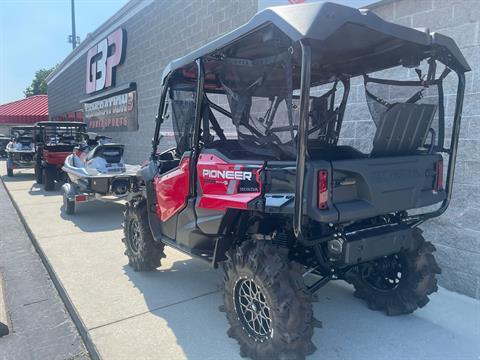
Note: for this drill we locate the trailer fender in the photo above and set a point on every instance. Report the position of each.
(69, 190)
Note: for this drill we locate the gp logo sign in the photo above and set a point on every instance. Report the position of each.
(102, 60)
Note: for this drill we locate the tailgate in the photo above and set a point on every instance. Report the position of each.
(363, 188)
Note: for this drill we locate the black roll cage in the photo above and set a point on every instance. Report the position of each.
(41, 128)
(302, 153)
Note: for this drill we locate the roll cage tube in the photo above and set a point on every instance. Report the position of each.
(196, 129)
(159, 118)
(457, 119)
(302, 134)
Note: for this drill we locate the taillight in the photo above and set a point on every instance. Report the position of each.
(439, 175)
(323, 189)
(80, 198)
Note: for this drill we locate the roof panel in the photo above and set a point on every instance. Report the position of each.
(25, 111)
(318, 21)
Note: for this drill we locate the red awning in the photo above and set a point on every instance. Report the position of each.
(25, 111)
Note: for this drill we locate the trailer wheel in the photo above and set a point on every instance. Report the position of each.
(144, 253)
(399, 283)
(38, 174)
(9, 170)
(49, 178)
(267, 305)
(68, 205)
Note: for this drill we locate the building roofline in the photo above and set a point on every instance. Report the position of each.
(26, 98)
(123, 14)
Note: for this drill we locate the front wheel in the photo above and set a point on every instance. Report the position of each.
(38, 174)
(399, 283)
(144, 254)
(266, 303)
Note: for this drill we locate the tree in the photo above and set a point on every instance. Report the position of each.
(39, 85)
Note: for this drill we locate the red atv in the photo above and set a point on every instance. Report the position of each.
(260, 181)
(55, 141)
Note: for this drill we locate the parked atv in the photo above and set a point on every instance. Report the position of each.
(20, 150)
(56, 141)
(96, 171)
(259, 182)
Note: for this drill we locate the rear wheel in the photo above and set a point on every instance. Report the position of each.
(144, 253)
(49, 178)
(267, 304)
(38, 174)
(399, 283)
(9, 170)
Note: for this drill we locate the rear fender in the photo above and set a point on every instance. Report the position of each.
(147, 174)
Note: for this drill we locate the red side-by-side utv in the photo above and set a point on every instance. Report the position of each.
(55, 141)
(261, 180)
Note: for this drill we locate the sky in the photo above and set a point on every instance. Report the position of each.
(33, 35)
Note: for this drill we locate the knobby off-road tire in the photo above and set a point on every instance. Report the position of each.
(418, 269)
(9, 170)
(144, 253)
(49, 178)
(279, 294)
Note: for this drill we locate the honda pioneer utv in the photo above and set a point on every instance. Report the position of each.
(56, 140)
(262, 179)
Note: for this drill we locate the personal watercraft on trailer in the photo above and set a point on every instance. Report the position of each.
(97, 172)
(21, 149)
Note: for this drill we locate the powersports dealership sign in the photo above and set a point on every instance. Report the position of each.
(115, 113)
(114, 110)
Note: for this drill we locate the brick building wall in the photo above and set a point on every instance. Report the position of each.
(456, 234)
(162, 31)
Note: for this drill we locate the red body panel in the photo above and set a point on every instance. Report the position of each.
(172, 190)
(54, 158)
(220, 188)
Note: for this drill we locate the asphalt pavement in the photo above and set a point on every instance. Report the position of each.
(40, 327)
(172, 313)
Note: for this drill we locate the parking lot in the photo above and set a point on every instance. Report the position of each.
(172, 313)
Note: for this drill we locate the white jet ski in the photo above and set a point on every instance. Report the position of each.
(96, 170)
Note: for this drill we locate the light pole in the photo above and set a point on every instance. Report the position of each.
(74, 39)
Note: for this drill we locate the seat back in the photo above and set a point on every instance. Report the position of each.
(112, 153)
(403, 129)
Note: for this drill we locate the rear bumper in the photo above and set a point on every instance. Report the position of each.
(370, 244)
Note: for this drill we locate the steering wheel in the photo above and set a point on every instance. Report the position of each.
(169, 154)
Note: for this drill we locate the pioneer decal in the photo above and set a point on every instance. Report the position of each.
(227, 174)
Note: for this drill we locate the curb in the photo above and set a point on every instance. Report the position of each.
(72, 311)
(4, 318)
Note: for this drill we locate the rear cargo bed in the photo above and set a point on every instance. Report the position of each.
(363, 188)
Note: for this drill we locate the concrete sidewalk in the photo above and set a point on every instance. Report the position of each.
(173, 313)
(40, 326)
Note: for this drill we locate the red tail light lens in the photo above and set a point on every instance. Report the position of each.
(439, 175)
(323, 189)
(80, 198)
